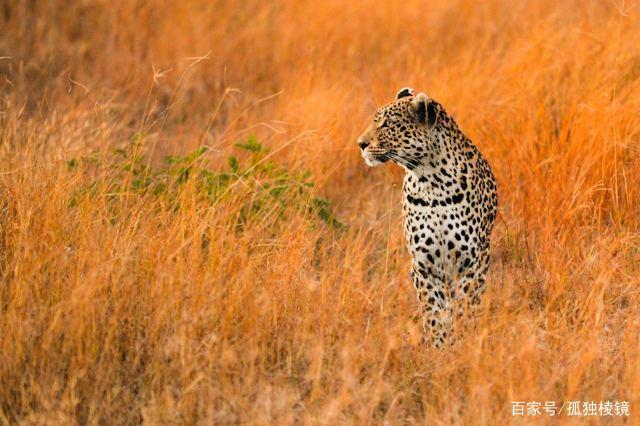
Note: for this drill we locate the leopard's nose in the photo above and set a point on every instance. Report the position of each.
(362, 144)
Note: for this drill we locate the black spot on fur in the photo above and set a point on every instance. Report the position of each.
(416, 201)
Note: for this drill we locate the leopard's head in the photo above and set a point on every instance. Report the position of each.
(402, 131)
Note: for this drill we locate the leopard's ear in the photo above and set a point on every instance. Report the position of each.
(404, 92)
(426, 111)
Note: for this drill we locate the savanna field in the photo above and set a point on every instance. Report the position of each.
(188, 232)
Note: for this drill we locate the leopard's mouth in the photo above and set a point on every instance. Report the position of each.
(375, 158)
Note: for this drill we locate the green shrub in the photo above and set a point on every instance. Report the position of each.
(273, 187)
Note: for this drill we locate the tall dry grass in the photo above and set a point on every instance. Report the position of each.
(133, 291)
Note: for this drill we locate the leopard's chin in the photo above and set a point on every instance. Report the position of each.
(373, 160)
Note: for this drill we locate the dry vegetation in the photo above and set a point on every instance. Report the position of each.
(188, 232)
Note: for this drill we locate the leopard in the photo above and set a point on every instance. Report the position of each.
(449, 205)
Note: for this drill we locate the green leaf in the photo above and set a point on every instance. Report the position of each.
(233, 163)
(252, 145)
(72, 164)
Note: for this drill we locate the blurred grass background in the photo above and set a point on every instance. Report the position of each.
(188, 233)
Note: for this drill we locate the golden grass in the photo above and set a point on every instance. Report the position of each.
(120, 305)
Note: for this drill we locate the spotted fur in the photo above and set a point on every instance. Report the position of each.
(449, 205)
